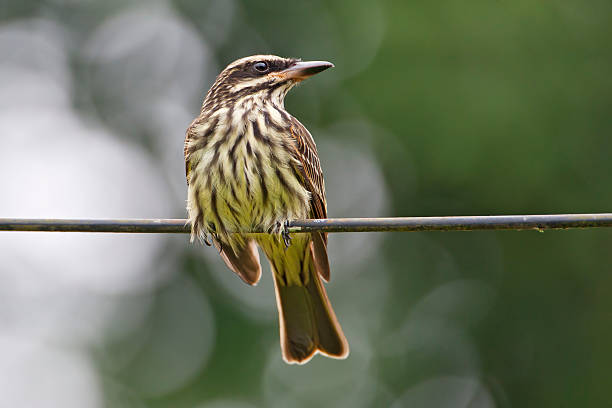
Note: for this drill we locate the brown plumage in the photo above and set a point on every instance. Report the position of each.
(251, 166)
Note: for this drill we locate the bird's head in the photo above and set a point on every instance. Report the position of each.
(264, 77)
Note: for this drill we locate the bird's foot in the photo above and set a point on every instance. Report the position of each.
(285, 234)
(203, 236)
(282, 229)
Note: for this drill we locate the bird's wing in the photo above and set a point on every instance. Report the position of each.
(306, 153)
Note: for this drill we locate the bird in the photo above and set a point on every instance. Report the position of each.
(252, 166)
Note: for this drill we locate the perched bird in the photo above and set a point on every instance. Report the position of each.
(251, 166)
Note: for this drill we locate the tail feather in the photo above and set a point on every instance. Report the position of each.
(331, 338)
(307, 321)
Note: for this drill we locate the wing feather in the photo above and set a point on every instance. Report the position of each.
(306, 153)
(310, 168)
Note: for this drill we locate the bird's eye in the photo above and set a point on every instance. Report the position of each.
(261, 66)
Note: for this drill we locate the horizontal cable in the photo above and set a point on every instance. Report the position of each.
(460, 223)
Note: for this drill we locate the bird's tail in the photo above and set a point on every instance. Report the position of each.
(307, 321)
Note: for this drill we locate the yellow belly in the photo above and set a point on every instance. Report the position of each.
(249, 186)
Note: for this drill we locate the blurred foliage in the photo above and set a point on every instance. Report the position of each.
(472, 108)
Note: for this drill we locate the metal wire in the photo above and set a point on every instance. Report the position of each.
(460, 223)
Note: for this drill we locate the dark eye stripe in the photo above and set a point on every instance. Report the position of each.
(247, 70)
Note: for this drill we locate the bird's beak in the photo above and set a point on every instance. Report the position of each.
(305, 69)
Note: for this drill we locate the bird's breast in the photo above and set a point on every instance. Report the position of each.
(244, 175)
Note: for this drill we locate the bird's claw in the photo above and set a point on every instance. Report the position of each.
(285, 234)
(281, 229)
